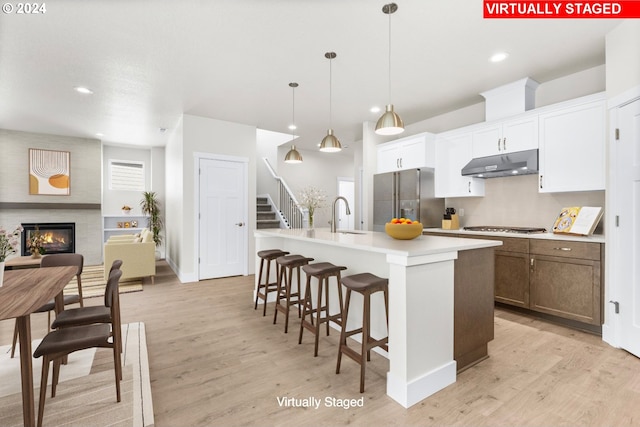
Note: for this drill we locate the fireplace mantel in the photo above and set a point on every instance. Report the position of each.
(20, 205)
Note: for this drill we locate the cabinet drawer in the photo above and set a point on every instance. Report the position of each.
(565, 249)
(514, 244)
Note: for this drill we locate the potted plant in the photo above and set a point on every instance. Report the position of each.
(151, 207)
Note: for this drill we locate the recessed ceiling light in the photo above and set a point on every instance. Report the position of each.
(84, 90)
(498, 57)
(99, 135)
(293, 127)
(375, 109)
(162, 130)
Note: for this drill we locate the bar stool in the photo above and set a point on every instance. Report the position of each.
(286, 264)
(267, 255)
(365, 284)
(321, 271)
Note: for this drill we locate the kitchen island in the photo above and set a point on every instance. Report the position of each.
(421, 297)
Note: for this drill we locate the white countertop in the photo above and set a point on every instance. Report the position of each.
(595, 238)
(374, 241)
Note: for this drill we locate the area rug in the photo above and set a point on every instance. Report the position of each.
(89, 399)
(93, 283)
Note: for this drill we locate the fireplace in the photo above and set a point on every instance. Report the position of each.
(60, 237)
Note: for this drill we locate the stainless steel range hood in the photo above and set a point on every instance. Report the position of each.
(512, 164)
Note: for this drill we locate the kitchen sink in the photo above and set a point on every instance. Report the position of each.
(351, 232)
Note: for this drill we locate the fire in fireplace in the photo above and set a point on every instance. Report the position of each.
(59, 237)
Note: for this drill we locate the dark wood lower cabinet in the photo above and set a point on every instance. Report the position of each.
(512, 278)
(568, 288)
(560, 278)
(472, 307)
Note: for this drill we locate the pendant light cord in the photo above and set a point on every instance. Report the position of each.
(293, 111)
(330, 93)
(389, 55)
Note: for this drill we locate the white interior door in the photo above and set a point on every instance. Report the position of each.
(346, 189)
(627, 204)
(223, 217)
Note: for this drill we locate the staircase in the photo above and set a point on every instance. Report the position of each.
(266, 217)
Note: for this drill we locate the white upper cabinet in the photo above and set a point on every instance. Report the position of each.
(573, 146)
(453, 152)
(506, 136)
(416, 151)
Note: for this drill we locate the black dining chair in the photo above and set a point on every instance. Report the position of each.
(57, 344)
(57, 260)
(93, 314)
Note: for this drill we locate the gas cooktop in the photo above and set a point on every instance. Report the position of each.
(504, 229)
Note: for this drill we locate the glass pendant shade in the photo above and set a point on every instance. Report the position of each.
(293, 156)
(330, 144)
(389, 123)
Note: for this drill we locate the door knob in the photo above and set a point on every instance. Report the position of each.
(239, 224)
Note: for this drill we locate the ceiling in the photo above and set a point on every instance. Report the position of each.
(148, 62)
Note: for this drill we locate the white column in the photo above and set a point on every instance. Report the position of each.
(420, 326)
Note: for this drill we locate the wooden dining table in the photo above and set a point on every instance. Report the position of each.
(22, 293)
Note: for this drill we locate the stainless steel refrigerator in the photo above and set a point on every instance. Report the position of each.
(406, 194)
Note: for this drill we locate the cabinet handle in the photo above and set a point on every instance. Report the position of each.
(540, 181)
(498, 144)
(504, 143)
(400, 162)
(469, 188)
(562, 249)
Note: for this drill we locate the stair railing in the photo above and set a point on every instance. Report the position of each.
(287, 203)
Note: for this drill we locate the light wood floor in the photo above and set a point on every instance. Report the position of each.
(215, 361)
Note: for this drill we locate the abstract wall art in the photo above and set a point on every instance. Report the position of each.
(49, 172)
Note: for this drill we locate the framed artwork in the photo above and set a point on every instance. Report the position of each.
(49, 172)
(120, 224)
(127, 225)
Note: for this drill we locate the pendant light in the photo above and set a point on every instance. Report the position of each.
(330, 144)
(293, 156)
(389, 123)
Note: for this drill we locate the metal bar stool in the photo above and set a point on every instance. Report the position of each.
(365, 284)
(267, 255)
(286, 264)
(321, 271)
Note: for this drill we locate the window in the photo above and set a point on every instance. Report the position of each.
(126, 175)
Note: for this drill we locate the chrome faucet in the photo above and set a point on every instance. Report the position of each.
(333, 212)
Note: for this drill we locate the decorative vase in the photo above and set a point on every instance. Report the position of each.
(35, 255)
(311, 221)
(1, 272)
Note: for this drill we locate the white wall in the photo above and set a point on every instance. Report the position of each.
(267, 143)
(204, 135)
(320, 170)
(113, 200)
(623, 58)
(85, 179)
(154, 168)
(174, 186)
